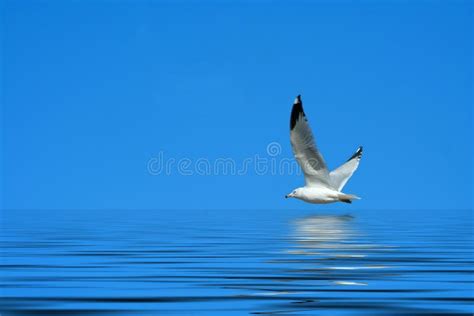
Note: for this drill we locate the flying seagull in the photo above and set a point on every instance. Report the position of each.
(321, 186)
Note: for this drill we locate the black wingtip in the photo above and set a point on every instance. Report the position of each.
(298, 99)
(296, 111)
(357, 154)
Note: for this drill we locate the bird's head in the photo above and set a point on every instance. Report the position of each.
(297, 193)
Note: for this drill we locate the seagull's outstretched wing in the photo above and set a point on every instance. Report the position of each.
(341, 175)
(305, 150)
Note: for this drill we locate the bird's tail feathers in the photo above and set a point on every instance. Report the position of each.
(347, 198)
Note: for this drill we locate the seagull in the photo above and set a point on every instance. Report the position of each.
(321, 186)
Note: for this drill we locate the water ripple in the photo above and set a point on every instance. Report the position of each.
(241, 263)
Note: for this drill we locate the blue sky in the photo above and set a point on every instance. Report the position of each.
(92, 90)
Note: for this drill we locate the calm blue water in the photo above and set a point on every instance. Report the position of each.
(237, 263)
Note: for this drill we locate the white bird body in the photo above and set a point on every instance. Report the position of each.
(318, 195)
(321, 195)
(321, 186)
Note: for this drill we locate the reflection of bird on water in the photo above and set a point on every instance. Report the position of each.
(328, 237)
(332, 244)
(314, 231)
